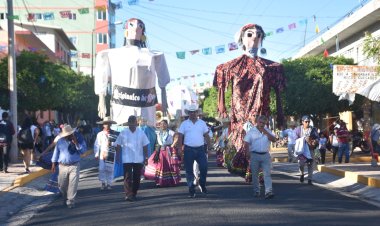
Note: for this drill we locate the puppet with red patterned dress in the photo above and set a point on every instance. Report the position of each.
(252, 78)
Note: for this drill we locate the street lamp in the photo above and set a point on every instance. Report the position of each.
(92, 43)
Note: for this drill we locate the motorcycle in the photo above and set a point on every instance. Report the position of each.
(358, 141)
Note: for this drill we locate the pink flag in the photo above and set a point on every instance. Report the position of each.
(292, 26)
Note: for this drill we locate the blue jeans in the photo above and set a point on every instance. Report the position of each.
(343, 148)
(197, 154)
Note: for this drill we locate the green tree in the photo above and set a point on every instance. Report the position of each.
(372, 47)
(43, 85)
(309, 86)
(210, 104)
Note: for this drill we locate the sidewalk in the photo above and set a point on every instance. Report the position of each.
(357, 178)
(24, 194)
(18, 178)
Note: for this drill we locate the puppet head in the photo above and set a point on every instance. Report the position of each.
(135, 32)
(250, 37)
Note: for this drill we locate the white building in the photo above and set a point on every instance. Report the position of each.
(347, 36)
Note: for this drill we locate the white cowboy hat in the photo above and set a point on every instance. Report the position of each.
(191, 108)
(106, 120)
(66, 131)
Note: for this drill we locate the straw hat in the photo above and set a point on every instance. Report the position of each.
(191, 108)
(106, 120)
(66, 131)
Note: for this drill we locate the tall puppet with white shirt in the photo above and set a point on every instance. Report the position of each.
(131, 70)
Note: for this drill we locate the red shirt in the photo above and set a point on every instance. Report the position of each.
(343, 135)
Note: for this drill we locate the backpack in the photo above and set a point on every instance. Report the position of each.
(25, 136)
(4, 132)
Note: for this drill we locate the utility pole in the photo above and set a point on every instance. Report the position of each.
(12, 78)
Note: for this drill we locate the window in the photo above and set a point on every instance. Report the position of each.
(38, 16)
(102, 15)
(73, 16)
(74, 64)
(102, 38)
(2, 16)
(73, 40)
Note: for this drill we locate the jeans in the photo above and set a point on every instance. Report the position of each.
(344, 148)
(335, 150)
(197, 154)
(264, 162)
(291, 152)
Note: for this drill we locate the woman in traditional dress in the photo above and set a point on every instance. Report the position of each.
(163, 165)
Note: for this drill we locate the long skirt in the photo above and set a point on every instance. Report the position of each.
(163, 167)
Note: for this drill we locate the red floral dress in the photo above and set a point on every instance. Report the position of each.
(252, 80)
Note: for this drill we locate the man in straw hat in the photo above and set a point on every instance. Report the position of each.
(67, 154)
(105, 152)
(133, 144)
(193, 133)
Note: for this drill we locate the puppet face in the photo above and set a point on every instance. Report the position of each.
(134, 29)
(252, 38)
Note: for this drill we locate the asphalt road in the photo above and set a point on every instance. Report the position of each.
(230, 202)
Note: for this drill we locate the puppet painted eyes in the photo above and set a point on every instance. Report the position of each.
(253, 34)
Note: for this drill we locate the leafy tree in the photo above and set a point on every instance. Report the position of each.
(210, 104)
(309, 86)
(43, 85)
(372, 47)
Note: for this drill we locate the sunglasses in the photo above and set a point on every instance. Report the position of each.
(307, 121)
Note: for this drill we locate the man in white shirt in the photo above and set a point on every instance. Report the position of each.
(257, 141)
(193, 133)
(133, 144)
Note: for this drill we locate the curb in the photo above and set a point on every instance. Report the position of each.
(351, 176)
(24, 179)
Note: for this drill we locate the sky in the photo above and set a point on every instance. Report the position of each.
(184, 25)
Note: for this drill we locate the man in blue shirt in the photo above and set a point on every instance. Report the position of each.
(67, 154)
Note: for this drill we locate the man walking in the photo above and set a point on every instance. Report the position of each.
(307, 138)
(6, 133)
(257, 141)
(193, 133)
(105, 152)
(133, 144)
(67, 154)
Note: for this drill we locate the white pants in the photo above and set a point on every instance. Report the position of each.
(264, 162)
(68, 179)
(105, 172)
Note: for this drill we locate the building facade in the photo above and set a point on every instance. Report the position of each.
(347, 36)
(90, 25)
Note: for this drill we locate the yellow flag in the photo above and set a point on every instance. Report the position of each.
(316, 29)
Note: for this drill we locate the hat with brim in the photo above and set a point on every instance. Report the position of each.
(66, 131)
(107, 120)
(191, 108)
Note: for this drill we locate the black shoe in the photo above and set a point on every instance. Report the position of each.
(131, 198)
(269, 195)
(302, 178)
(309, 182)
(203, 189)
(191, 195)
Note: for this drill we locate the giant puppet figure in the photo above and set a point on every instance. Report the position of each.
(131, 70)
(252, 78)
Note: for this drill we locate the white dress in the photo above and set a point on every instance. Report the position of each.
(132, 72)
